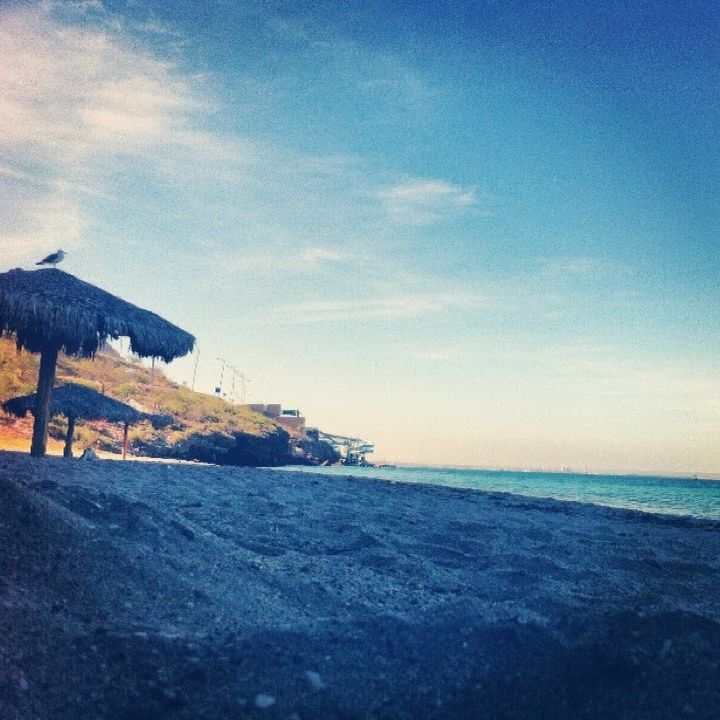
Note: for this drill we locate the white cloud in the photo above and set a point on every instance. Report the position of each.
(70, 92)
(76, 100)
(285, 259)
(80, 7)
(422, 201)
(580, 265)
(397, 307)
(318, 255)
(85, 106)
(389, 80)
(14, 173)
(56, 222)
(88, 111)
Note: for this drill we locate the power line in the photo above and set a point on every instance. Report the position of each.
(236, 374)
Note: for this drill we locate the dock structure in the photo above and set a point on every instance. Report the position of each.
(353, 450)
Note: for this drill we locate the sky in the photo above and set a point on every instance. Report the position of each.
(474, 233)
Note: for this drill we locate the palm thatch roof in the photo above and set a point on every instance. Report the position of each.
(52, 307)
(80, 401)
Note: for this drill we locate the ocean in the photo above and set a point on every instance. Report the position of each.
(667, 495)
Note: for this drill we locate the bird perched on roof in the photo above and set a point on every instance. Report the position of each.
(53, 259)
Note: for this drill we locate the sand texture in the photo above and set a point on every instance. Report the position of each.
(138, 591)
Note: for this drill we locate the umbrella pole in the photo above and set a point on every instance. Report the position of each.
(46, 380)
(67, 452)
(125, 440)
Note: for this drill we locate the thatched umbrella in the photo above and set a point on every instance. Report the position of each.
(79, 401)
(50, 310)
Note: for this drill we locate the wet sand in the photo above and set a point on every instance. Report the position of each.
(143, 590)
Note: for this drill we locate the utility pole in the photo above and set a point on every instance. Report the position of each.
(197, 357)
(233, 388)
(243, 380)
(233, 398)
(218, 390)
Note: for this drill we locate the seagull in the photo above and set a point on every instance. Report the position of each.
(53, 259)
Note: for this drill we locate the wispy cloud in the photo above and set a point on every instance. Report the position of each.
(287, 260)
(86, 107)
(70, 93)
(424, 201)
(14, 173)
(581, 265)
(396, 307)
(76, 101)
(385, 78)
(52, 221)
(89, 110)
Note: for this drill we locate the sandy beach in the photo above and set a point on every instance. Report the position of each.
(133, 591)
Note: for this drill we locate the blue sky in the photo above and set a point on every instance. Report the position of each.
(475, 233)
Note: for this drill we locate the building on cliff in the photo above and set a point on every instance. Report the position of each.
(290, 419)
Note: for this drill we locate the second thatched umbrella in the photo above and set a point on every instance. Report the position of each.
(50, 310)
(80, 402)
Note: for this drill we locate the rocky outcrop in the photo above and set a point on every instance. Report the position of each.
(237, 448)
(271, 449)
(311, 451)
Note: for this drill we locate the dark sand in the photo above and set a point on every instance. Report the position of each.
(141, 591)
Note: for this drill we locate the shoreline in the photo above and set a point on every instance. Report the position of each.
(391, 476)
(710, 476)
(198, 591)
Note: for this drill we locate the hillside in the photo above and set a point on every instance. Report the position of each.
(204, 428)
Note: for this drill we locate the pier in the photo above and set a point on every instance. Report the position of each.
(353, 450)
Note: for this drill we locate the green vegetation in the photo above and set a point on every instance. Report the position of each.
(203, 427)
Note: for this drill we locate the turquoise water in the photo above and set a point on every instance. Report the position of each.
(676, 496)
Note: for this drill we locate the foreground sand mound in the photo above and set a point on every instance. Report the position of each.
(132, 590)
